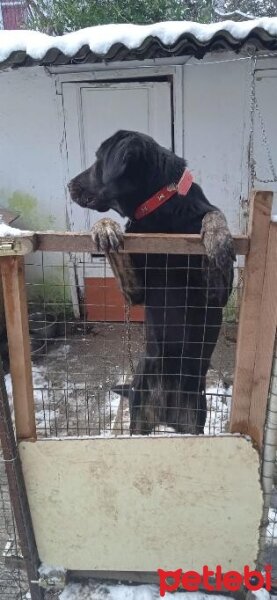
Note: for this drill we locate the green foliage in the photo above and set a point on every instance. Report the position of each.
(28, 208)
(60, 16)
(51, 293)
(231, 309)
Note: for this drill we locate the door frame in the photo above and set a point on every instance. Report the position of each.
(172, 74)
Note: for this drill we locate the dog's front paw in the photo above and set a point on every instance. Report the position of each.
(107, 236)
(218, 241)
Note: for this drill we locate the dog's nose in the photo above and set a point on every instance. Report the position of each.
(74, 189)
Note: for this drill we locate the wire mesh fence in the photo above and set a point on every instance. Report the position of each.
(268, 554)
(13, 580)
(85, 346)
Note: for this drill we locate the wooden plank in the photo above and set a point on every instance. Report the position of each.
(15, 302)
(104, 301)
(266, 341)
(69, 241)
(249, 322)
(133, 243)
(130, 491)
(129, 576)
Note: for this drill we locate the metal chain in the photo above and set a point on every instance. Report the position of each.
(252, 117)
(267, 147)
(254, 107)
(128, 331)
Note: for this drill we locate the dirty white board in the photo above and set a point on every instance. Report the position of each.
(140, 504)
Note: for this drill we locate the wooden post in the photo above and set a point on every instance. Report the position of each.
(15, 302)
(266, 341)
(243, 417)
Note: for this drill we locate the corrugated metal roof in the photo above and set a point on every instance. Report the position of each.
(160, 40)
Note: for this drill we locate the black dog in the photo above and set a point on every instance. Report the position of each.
(183, 295)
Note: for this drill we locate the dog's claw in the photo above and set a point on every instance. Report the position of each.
(218, 241)
(107, 236)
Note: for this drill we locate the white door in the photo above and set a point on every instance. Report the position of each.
(93, 112)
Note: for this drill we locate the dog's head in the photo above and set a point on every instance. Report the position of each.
(129, 168)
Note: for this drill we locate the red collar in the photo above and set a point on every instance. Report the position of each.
(164, 194)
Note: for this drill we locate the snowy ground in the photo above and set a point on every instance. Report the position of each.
(126, 592)
(72, 384)
(46, 395)
(271, 531)
(93, 591)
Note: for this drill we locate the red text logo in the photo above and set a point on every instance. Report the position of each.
(192, 581)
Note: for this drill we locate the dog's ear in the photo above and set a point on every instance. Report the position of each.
(127, 157)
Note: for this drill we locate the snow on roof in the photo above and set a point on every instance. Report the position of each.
(101, 39)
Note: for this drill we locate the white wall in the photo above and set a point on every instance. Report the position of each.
(216, 118)
(216, 131)
(30, 137)
(216, 114)
(31, 171)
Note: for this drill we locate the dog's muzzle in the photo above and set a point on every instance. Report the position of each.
(78, 194)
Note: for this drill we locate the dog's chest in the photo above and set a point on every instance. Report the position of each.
(174, 273)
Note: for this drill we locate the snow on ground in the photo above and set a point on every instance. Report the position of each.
(218, 408)
(271, 530)
(102, 37)
(41, 385)
(112, 403)
(51, 396)
(52, 392)
(47, 412)
(94, 591)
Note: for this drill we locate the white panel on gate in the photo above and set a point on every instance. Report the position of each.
(137, 504)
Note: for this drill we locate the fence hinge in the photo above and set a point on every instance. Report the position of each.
(51, 578)
(16, 246)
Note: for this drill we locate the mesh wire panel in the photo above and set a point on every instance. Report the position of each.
(13, 581)
(268, 553)
(85, 345)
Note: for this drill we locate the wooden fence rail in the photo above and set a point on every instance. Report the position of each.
(135, 243)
